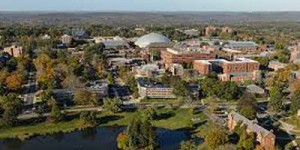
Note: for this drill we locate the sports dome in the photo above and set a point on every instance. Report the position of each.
(150, 38)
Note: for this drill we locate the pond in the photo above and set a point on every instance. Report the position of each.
(92, 139)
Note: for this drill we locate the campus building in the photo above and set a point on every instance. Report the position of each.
(241, 45)
(276, 65)
(264, 137)
(241, 69)
(151, 89)
(185, 55)
(66, 39)
(14, 50)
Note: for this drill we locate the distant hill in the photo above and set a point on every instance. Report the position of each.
(134, 18)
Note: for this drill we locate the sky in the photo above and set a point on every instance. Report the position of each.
(149, 5)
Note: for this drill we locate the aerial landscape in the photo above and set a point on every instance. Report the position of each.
(150, 75)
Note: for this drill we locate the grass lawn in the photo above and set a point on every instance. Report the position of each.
(174, 119)
(24, 132)
(167, 118)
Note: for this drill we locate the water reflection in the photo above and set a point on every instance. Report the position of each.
(90, 139)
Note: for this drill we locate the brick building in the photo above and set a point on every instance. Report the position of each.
(188, 55)
(151, 89)
(241, 69)
(276, 65)
(14, 50)
(264, 137)
(295, 56)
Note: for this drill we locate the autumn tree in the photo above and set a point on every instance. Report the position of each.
(14, 81)
(84, 97)
(216, 137)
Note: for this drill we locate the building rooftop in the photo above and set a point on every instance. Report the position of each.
(151, 38)
(148, 83)
(252, 125)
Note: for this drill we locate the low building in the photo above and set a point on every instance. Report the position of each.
(176, 69)
(149, 70)
(46, 37)
(79, 34)
(125, 62)
(276, 65)
(254, 89)
(185, 55)
(151, 89)
(241, 69)
(14, 50)
(264, 137)
(98, 87)
(112, 42)
(66, 39)
(241, 45)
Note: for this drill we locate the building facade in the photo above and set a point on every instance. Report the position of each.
(150, 89)
(264, 137)
(14, 50)
(180, 56)
(241, 69)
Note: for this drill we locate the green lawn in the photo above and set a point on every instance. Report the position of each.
(24, 132)
(167, 118)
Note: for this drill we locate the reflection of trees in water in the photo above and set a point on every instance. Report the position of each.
(59, 137)
(14, 144)
(89, 133)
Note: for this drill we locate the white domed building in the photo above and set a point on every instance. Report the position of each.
(152, 39)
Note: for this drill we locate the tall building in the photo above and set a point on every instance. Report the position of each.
(264, 137)
(185, 55)
(14, 50)
(241, 69)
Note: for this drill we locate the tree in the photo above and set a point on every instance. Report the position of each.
(112, 105)
(227, 147)
(110, 78)
(188, 145)
(149, 113)
(216, 137)
(55, 114)
(12, 107)
(180, 89)
(295, 101)
(122, 141)
(14, 82)
(276, 96)
(247, 106)
(89, 118)
(140, 134)
(84, 97)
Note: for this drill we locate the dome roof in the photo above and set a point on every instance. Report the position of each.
(150, 38)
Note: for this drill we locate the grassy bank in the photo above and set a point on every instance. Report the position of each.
(24, 132)
(167, 118)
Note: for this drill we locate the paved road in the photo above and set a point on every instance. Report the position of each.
(31, 86)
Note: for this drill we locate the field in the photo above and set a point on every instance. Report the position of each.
(174, 119)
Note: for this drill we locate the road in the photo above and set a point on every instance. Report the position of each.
(31, 86)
